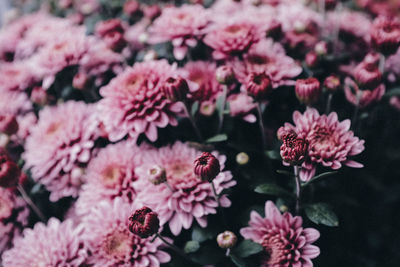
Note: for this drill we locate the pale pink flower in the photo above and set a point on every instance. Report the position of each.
(133, 102)
(17, 75)
(112, 244)
(13, 217)
(269, 57)
(55, 244)
(295, 16)
(203, 84)
(242, 105)
(350, 24)
(286, 243)
(110, 174)
(331, 142)
(191, 198)
(25, 123)
(183, 26)
(362, 98)
(14, 102)
(59, 146)
(395, 102)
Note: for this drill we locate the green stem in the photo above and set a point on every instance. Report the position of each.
(328, 104)
(215, 193)
(261, 124)
(193, 122)
(221, 112)
(28, 200)
(298, 188)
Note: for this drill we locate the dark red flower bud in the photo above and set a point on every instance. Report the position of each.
(115, 41)
(385, 35)
(293, 149)
(8, 124)
(131, 7)
(9, 172)
(258, 85)
(367, 75)
(224, 75)
(207, 167)
(332, 83)
(39, 96)
(308, 90)
(144, 222)
(311, 59)
(107, 26)
(175, 89)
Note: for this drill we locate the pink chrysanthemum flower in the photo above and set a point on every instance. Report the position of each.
(13, 217)
(110, 174)
(191, 198)
(182, 25)
(242, 105)
(351, 25)
(233, 37)
(203, 84)
(14, 102)
(60, 146)
(57, 244)
(330, 142)
(362, 98)
(112, 244)
(269, 57)
(134, 104)
(17, 75)
(286, 243)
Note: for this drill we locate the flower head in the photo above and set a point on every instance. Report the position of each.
(242, 105)
(225, 75)
(286, 243)
(206, 166)
(367, 75)
(332, 83)
(308, 90)
(226, 239)
(175, 89)
(62, 246)
(385, 34)
(8, 124)
(9, 172)
(293, 149)
(144, 222)
(133, 103)
(258, 85)
(362, 98)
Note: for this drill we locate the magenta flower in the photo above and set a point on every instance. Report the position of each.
(57, 244)
(206, 166)
(112, 244)
(330, 142)
(269, 57)
(59, 146)
(190, 198)
(183, 26)
(134, 104)
(144, 222)
(362, 98)
(286, 243)
(242, 105)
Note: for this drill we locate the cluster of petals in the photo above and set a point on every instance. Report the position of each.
(59, 146)
(286, 243)
(362, 98)
(110, 242)
(331, 142)
(190, 198)
(133, 102)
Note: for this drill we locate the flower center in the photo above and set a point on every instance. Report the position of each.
(278, 249)
(53, 128)
(234, 29)
(180, 173)
(118, 244)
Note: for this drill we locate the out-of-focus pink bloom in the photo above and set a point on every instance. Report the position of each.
(233, 37)
(258, 85)
(332, 83)
(183, 26)
(242, 105)
(58, 243)
(14, 102)
(282, 236)
(17, 75)
(395, 102)
(269, 57)
(133, 102)
(112, 32)
(13, 217)
(362, 98)
(308, 90)
(8, 124)
(152, 11)
(110, 174)
(59, 146)
(311, 59)
(225, 75)
(331, 142)
(86, 7)
(136, 35)
(191, 198)
(367, 75)
(39, 96)
(385, 34)
(131, 7)
(203, 84)
(25, 122)
(351, 25)
(111, 243)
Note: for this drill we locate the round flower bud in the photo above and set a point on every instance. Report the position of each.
(293, 149)
(144, 222)
(332, 83)
(224, 75)
(367, 76)
(157, 175)
(8, 124)
(283, 208)
(226, 240)
(175, 89)
(385, 35)
(242, 158)
(207, 108)
(311, 59)
(207, 167)
(39, 96)
(258, 85)
(9, 172)
(131, 7)
(308, 90)
(80, 80)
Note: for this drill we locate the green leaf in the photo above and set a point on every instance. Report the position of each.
(272, 189)
(220, 105)
(195, 108)
(272, 154)
(322, 175)
(321, 213)
(202, 234)
(191, 246)
(237, 261)
(247, 248)
(217, 138)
